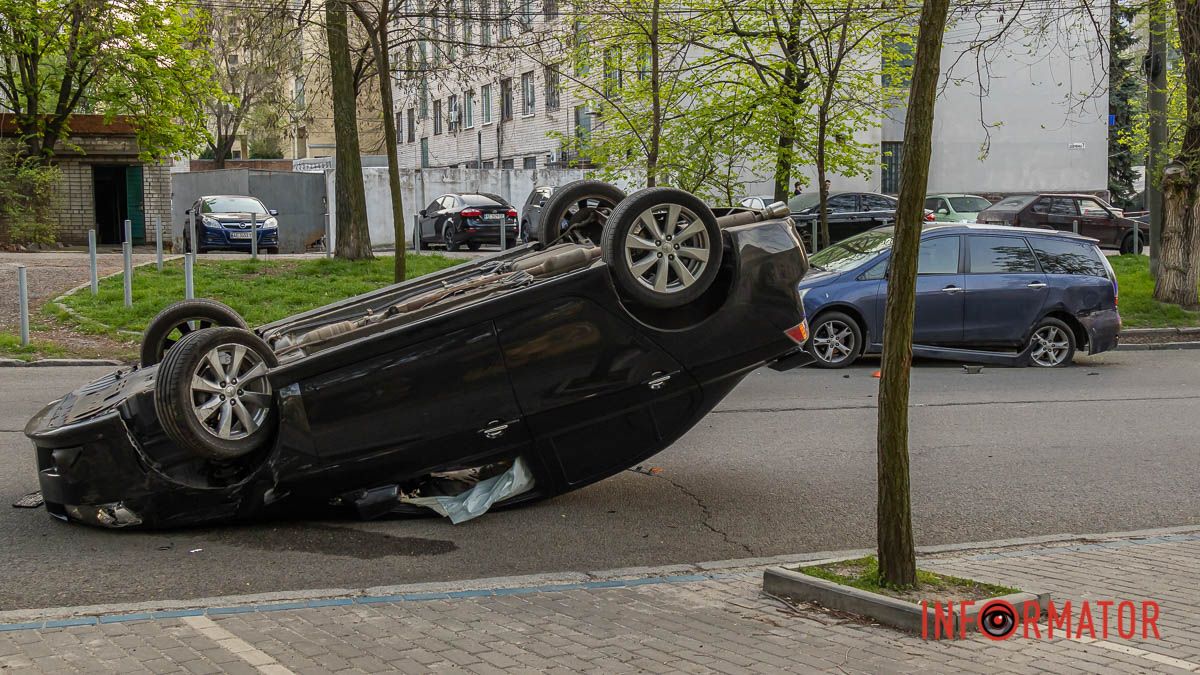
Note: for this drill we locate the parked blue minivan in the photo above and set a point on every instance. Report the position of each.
(989, 294)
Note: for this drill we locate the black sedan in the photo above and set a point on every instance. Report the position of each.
(472, 219)
(229, 222)
(849, 213)
(513, 377)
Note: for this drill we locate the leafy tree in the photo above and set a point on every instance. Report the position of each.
(353, 233)
(1125, 87)
(140, 58)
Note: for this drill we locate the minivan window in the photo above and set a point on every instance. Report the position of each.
(1059, 256)
(938, 255)
(850, 253)
(1000, 255)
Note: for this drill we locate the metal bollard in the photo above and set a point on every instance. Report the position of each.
(813, 241)
(254, 236)
(189, 288)
(127, 250)
(417, 233)
(92, 254)
(328, 247)
(23, 299)
(192, 233)
(1075, 226)
(1137, 240)
(158, 241)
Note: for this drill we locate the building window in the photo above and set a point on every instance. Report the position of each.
(897, 61)
(468, 27)
(506, 99)
(528, 94)
(423, 98)
(485, 103)
(437, 38)
(485, 24)
(553, 86)
(425, 153)
(891, 153)
(453, 112)
(506, 164)
(412, 125)
(550, 9)
(469, 109)
(530, 163)
(437, 117)
(583, 123)
(410, 61)
(505, 19)
(526, 19)
(612, 72)
(451, 38)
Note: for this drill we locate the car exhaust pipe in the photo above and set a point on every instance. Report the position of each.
(771, 212)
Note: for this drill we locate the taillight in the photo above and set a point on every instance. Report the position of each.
(511, 213)
(471, 213)
(798, 333)
(929, 217)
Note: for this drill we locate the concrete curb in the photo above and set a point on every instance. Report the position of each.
(907, 616)
(536, 582)
(50, 363)
(1195, 331)
(1157, 346)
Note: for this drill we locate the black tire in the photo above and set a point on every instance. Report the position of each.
(448, 239)
(1051, 344)
(1127, 243)
(181, 318)
(680, 274)
(176, 398)
(525, 232)
(578, 211)
(830, 333)
(473, 246)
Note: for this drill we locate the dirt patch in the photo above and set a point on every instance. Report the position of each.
(863, 574)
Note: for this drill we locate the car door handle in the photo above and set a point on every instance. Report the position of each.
(495, 430)
(1035, 285)
(952, 289)
(658, 382)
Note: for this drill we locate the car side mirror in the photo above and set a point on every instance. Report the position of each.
(273, 212)
(944, 212)
(421, 213)
(187, 212)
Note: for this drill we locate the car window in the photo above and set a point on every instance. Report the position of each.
(969, 204)
(1059, 256)
(1063, 206)
(436, 206)
(877, 203)
(1091, 207)
(843, 204)
(232, 205)
(938, 255)
(448, 202)
(1000, 255)
(850, 253)
(1042, 205)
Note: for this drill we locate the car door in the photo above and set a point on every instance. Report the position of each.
(430, 232)
(939, 304)
(844, 218)
(597, 393)
(416, 406)
(1096, 221)
(1005, 290)
(1062, 214)
(879, 209)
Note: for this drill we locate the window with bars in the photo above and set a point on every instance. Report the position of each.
(553, 87)
(505, 19)
(528, 94)
(412, 125)
(468, 27)
(506, 99)
(437, 117)
(485, 25)
(889, 177)
(485, 103)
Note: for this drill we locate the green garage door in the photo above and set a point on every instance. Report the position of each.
(134, 206)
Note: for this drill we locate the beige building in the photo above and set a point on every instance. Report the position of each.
(104, 182)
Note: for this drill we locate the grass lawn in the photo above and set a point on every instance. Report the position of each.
(863, 574)
(1138, 307)
(10, 348)
(261, 292)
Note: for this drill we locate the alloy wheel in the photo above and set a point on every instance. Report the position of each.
(1050, 346)
(668, 248)
(230, 393)
(833, 341)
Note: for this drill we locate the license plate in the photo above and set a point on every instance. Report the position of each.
(239, 235)
(493, 216)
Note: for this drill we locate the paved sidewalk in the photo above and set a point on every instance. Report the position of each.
(707, 618)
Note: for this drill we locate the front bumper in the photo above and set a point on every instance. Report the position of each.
(238, 239)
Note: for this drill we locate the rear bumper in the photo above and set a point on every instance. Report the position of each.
(484, 233)
(1103, 329)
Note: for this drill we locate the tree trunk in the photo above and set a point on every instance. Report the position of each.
(823, 194)
(1179, 259)
(656, 101)
(383, 57)
(897, 557)
(353, 236)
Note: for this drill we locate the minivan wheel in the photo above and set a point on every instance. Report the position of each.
(836, 341)
(578, 211)
(1052, 344)
(1127, 244)
(177, 320)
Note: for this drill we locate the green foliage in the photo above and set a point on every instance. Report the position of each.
(266, 147)
(27, 190)
(1138, 307)
(863, 574)
(1126, 89)
(263, 291)
(1134, 137)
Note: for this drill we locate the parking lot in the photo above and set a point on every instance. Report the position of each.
(785, 465)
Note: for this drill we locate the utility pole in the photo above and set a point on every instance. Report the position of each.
(1156, 86)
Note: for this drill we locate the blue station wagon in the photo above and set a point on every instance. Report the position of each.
(990, 294)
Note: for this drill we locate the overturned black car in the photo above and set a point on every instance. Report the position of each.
(514, 377)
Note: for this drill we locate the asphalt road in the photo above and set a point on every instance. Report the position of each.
(785, 465)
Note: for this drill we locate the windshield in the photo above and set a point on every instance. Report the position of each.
(232, 205)
(1013, 203)
(850, 253)
(969, 204)
(804, 202)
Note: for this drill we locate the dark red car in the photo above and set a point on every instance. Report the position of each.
(1082, 213)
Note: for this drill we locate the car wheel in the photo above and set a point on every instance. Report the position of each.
(180, 319)
(578, 212)
(473, 245)
(1127, 244)
(663, 246)
(212, 395)
(525, 232)
(1052, 344)
(448, 240)
(836, 340)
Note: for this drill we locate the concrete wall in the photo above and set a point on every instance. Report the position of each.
(420, 187)
(299, 198)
